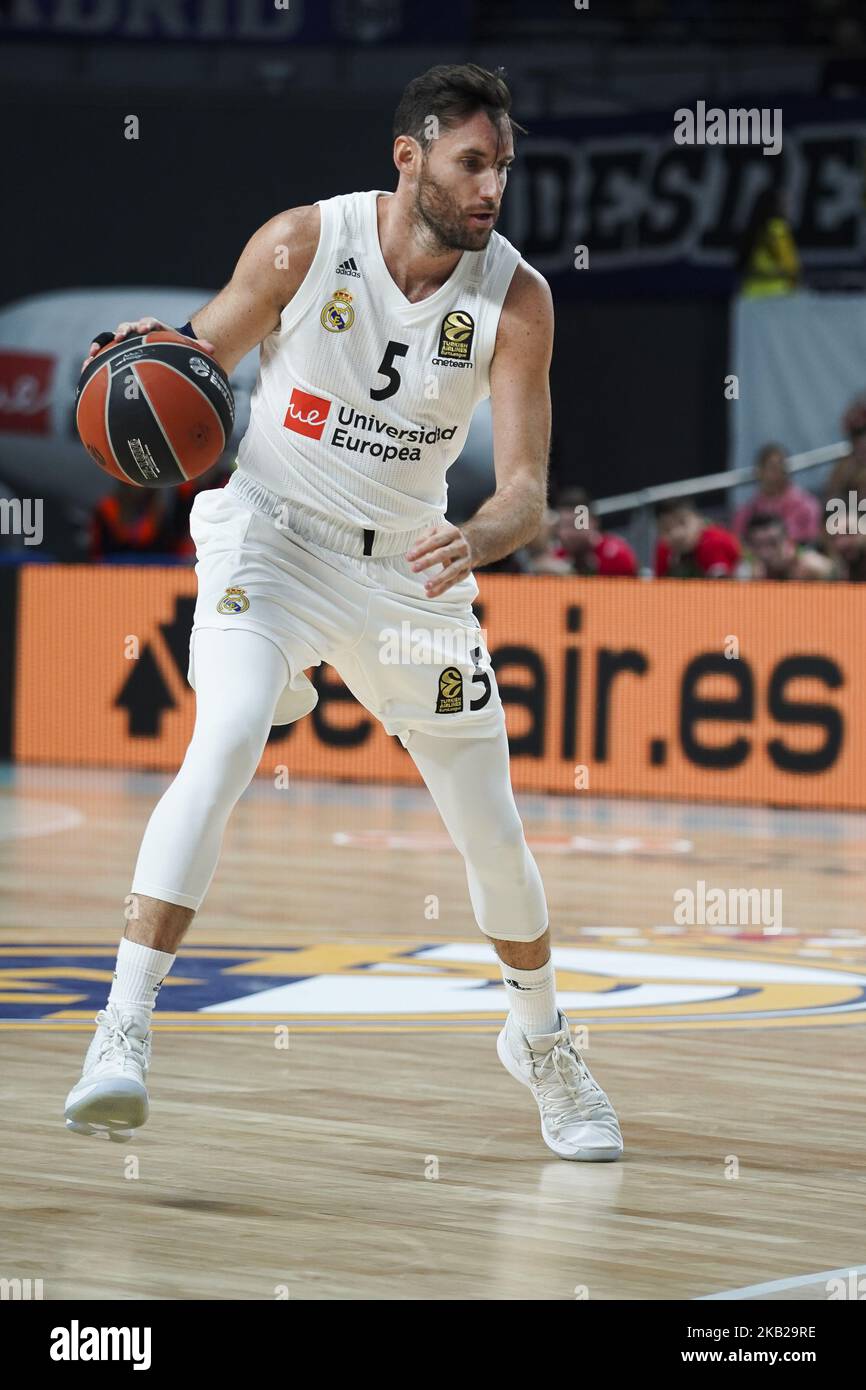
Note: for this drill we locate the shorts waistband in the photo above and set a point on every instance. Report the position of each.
(340, 536)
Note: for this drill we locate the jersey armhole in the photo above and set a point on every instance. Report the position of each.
(491, 316)
(306, 291)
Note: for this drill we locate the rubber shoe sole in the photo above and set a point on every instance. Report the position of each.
(512, 1066)
(116, 1106)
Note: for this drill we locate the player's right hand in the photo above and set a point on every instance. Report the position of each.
(129, 330)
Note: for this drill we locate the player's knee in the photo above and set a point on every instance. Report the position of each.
(222, 758)
(508, 897)
(506, 889)
(503, 858)
(516, 928)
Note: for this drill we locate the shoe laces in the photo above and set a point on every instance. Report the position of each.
(564, 1084)
(116, 1045)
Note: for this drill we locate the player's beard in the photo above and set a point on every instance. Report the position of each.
(444, 220)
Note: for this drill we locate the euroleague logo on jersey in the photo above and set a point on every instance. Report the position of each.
(455, 340)
(307, 414)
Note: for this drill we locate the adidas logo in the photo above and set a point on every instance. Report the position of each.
(348, 267)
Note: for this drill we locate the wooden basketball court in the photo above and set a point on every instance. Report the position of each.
(329, 1118)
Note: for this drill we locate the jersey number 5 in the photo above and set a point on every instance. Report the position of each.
(387, 368)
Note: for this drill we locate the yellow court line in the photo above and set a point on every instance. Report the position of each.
(428, 1026)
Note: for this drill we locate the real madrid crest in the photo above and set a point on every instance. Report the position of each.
(338, 314)
(233, 602)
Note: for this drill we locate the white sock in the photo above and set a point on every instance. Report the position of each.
(137, 976)
(532, 998)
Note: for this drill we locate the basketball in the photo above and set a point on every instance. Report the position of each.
(154, 410)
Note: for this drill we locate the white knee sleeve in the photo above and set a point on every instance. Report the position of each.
(469, 781)
(239, 677)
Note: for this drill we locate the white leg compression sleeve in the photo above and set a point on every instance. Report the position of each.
(469, 781)
(239, 677)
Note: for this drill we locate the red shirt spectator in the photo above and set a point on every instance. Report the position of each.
(582, 543)
(608, 554)
(689, 548)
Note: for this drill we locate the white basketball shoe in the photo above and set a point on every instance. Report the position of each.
(577, 1119)
(111, 1097)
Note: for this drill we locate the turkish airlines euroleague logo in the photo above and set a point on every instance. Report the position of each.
(307, 414)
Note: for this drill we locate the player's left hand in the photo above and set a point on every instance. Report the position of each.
(445, 545)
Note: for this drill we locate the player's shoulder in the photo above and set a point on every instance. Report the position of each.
(279, 254)
(297, 227)
(528, 301)
(301, 228)
(526, 321)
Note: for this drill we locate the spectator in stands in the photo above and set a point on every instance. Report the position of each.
(130, 521)
(848, 549)
(767, 258)
(849, 473)
(541, 555)
(148, 522)
(515, 563)
(142, 522)
(582, 544)
(775, 555)
(776, 494)
(538, 556)
(689, 547)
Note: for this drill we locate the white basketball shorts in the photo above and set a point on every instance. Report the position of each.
(412, 661)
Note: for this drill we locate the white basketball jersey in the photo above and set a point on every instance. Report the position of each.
(363, 400)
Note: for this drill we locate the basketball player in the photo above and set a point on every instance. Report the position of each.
(383, 320)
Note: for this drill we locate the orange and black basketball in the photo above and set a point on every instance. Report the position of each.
(154, 409)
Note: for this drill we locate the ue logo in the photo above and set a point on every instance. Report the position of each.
(307, 414)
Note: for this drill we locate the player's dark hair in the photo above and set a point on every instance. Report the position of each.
(452, 92)
(573, 496)
(768, 451)
(854, 419)
(673, 504)
(758, 520)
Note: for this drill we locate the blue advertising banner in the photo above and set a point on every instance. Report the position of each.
(655, 203)
(241, 21)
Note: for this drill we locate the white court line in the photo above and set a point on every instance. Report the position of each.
(797, 1281)
(22, 818)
